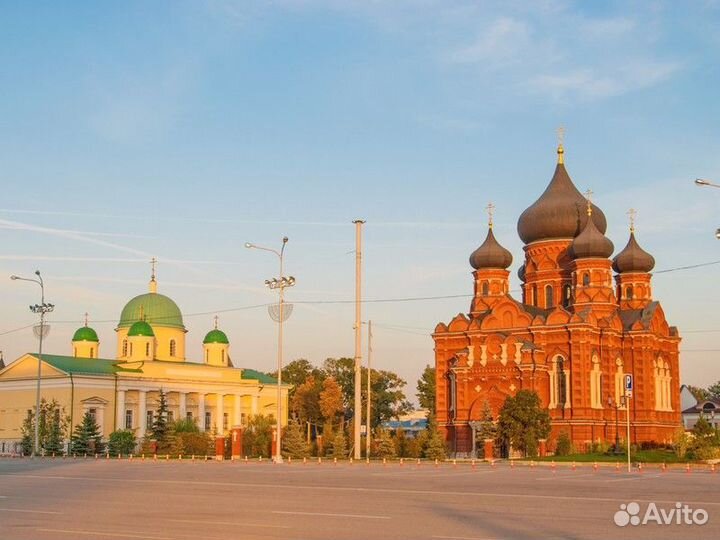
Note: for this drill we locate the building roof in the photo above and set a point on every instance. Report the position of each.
(141, 328)
(490, 254)
(85, 333)
(84, 366)
(216, 336)
(559, 212)
(630, 316)
(591, 243)
(258, 376)
(633, 258)
(156, 309)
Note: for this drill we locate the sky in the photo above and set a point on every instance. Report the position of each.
(183, 129)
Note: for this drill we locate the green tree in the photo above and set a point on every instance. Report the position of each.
(339, 445)
(426, 389)
(293, 442)
(402, 443)
(27, 432)
(86, 437)
(487, 428)
(160, 430)
(700, 394)
(384, 445)
(52, 428)
(258, 436)
(297, 372)
(55, 443)
(434, 444)
(121, 441)
(305, 403)
(714, 391)
(331, 400)
(523, 422)
(564, 445)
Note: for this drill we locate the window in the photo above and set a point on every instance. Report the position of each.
(567, 295)
(629, 292)
(534, 295)
(586, 279)
(149, 419)
(93, 414)
(596, 384)
(75, 352)
(619, 383)
(222, 355)
(208, 420)
(207, 356)
(131, 349)
(243, 418)
(125, 347)
(561, 383)
(92, 352)
(173, 348)
(549, 296)
(225, 421)
(662, 385)
(171, 416)
(453, 394)
(128, 419)
(485, 288)
(147, 349)
(188, 416)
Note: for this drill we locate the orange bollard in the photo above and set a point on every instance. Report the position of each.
(143, 457)
(712, 468)
(334, 461)
(574, 466)
(319, 460)
(617, 466)
(687, 468)
(289, 460)
(492, 463)
(384, 462)
(246, 459)
(552, 466)
(532, 463)
(402, 462)
(664, 467)
(595, 466)
(472, 463)
(454, 463)
(436, 462)
(367, 461)
(512, 463)
(640, 467)
(304, 460)
(418, 462)
(351, 461)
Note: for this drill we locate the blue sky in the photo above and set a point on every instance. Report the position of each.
(184, 129)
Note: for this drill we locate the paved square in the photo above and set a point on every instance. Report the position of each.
(76, 499)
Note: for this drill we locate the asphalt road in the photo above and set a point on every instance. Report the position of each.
(69, 500)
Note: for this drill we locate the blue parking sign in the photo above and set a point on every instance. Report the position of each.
(628, 385)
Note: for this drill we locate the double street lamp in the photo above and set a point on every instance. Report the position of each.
(707, 183)
(278, 313)
(40, 331)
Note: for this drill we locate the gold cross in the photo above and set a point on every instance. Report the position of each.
(86, 318)
(631, 214)
(490, 209)
(153, 262)
(216, 322)
(588, 196)
(561, 135)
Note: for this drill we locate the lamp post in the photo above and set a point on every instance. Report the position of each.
(279, 314)
(42, 308)
(707, 183)
(617, 407)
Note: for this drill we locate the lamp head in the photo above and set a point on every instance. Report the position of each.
(37, 272)
(717, 234)
(248, 245)
(14, 277)
(701, 182)
(285, 239)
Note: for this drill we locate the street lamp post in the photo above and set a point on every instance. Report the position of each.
(617, 407)
(279, 314)
(707, 183)
(42, 308)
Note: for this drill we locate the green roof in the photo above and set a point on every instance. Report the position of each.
(258, 375)
(86, 366)
(216, 336)
(156, 309)
(85, 334)
(140, 328)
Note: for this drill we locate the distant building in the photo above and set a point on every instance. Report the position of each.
(583, 323)
(412, 423)
(122, 391)
(692, 409)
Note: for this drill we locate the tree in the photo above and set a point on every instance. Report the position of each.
(402, 443)
(258, 435)
(160, 431)
(487, 429)
(523, 422)
(434, 447)
(52, 428)
(700, 394)
(426, 389)
(27, 431)
(293, 441)
(121, 442)
(714, 391)
(86, 437)
(305, 403)
(564, 445)
(55, 444)
(331, 400)
(297, 372)
(384, 446)
(339, 445)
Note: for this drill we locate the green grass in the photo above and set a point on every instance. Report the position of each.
(644, 456)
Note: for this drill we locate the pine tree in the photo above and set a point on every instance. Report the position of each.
(160, 431)
(487, 429)
(27, 434)
(435, 446)
(55, 445)
(339, 445)
(293, 441)
(86, 437)
(401, 443)
(385, 447)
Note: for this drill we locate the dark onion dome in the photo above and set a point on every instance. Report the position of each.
(559, 212)
(633, 258)
(85, 333)
(521, 272)
(591, 243)
(490, 254)
(141, 328)
(216, 336)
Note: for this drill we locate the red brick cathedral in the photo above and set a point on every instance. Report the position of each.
(584, 321)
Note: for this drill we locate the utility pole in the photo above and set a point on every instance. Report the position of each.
(369, 370)
(358, 336)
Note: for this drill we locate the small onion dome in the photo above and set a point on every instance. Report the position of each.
(85, 333)
(521, 272)
(490, 254)
(559, 212)
(216, 336)
(591, 243)
(141, 328)
(633, 258)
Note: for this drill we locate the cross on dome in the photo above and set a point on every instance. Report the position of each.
(490, 208)
(216, 321)
(86, 318)
(631, 214)
(588, 196)
(561, 140)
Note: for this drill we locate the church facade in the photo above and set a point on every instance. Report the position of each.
(584, 321)
(122, 391)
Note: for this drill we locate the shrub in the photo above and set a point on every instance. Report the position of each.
(564, 445)
(121, 441)
(384, 446)
(681, 442)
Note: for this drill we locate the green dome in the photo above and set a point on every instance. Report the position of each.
(141, 328)
(156, 309)
(216, 336)
(85, 334)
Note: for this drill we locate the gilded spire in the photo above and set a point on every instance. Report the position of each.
(153, 282)
(490, 208)
(216, 322)
(86, 318)
(560, 149)
(588, 198)
(631, 214)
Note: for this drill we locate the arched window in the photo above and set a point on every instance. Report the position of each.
(549, 296)
(207, 356)
(173, 347)
(662, 385)
(147, 349)
(92, 352)
(75, 352)
(567, 295)
(125, 347)
(222, 356)
(629, 292)
(561, 382)
(534, 295)
(596, 384)
(586, 279)
(131, 349)
(619, 383)
(485, 288)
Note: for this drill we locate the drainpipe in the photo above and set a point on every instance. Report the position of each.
(72, 409)
(116, 404)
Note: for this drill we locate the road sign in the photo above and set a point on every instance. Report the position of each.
(628, 385)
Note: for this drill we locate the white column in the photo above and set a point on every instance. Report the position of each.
(254, 409)
(201, 410)
(120, 410)
(142, 413)
(237, 415)
(182, 402)
(219, 414)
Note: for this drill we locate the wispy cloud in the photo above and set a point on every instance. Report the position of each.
(500, 43)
